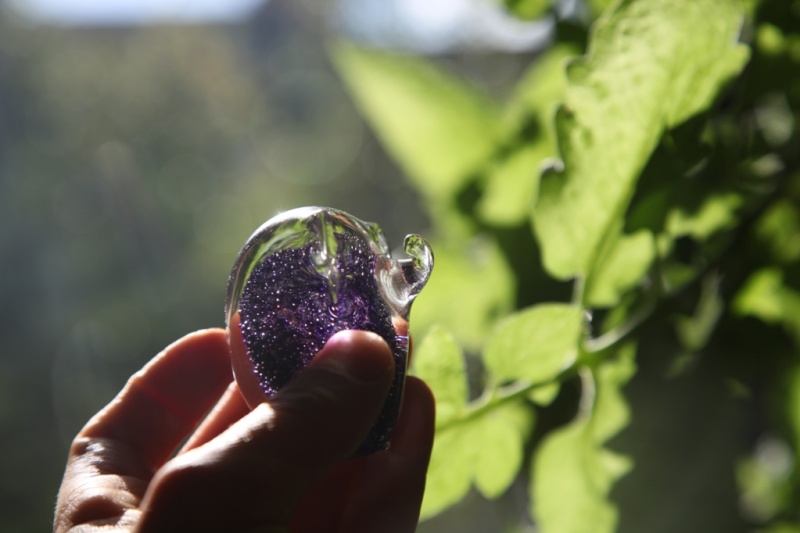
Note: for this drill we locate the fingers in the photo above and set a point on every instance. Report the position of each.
(253, 473)
(381, 492)
(114, 456)
(392, 483)
(230, 408)
(165, 400)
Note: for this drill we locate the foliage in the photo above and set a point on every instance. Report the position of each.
(645, 187)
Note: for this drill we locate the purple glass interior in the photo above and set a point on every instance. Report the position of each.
(312, 272)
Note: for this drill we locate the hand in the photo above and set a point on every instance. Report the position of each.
(281, 467)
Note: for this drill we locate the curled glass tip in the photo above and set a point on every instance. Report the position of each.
(305, 275)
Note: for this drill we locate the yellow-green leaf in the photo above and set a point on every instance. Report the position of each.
(439, 362)
(481, 446)
(469, 289)
(766, 297)
(651, 64)
(527, 9)
(438, 128)
(573, 472)
(535, 344)
(621, 269)
(485, 450)
(511, 183)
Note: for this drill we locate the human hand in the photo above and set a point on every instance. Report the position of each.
(281, 467)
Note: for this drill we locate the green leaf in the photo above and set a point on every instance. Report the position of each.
(695, 331)
(485, 450)
(481, 446)
(621, 269)
(527, 9)
(512, 182)
(537, 93)
(570, 484)
(499, 437)
(511, 185)
(717, 213)
(572, 472)
(651, 65)
(436, 126)
(764, 480)
(439, 362)
(762, 296)
(765, 297)
(611, 411)
(544, 395)
(779, 229)
(792, 406)
(598, 7)
(470, 287)
(449, 473)
(535, 344)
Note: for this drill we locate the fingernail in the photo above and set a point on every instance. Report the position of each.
(361, 354)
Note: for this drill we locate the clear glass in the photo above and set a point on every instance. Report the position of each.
(305, 275)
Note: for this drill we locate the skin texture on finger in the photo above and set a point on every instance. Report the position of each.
(162, 403)
(115, 455)
(253, 474)
(230, 408)
(381, 492)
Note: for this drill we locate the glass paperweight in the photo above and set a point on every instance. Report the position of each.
(305, 275)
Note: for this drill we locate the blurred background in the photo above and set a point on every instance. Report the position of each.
(141, 142)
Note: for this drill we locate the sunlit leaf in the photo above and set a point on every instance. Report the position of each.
(527, 9)
(438, 360)
(544, 395)
(779, 229)
(718, 212)
(469, 289)
(512, 182)
(535, 344)
(499, 437)
(537, 93)
(762, 296)
(511, 185)
(483, 448)
(764, 479)
(449, 473)
(572, 472)
(621, 269)
(599, 6)
(766, 297)
(770, 39)
(650, 66)
(436, 126)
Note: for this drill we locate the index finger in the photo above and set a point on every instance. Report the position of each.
(163, 402)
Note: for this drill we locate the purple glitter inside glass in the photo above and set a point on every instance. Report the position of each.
(312, 272)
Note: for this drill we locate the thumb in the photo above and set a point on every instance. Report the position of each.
(254, 473)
